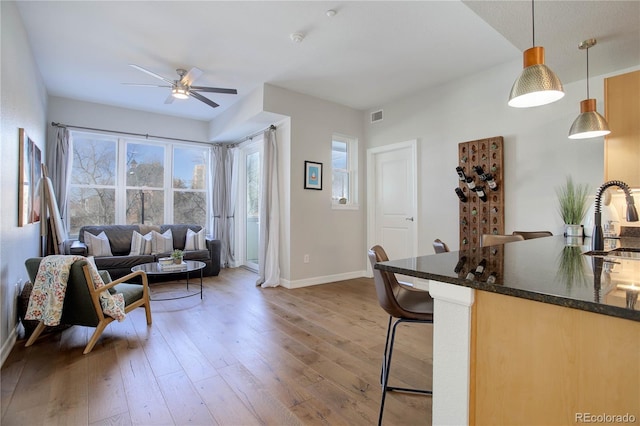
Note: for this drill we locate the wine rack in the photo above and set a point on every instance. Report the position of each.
(479, 217)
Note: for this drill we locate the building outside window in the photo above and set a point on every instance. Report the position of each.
(344, 172)
(129, 181)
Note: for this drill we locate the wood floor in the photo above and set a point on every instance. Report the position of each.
(242, 356)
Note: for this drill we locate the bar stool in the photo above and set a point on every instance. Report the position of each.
(405, 305)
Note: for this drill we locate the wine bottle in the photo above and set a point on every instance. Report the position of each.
(480, 172)
(461, 195)
(491, 279)
(461, 174)
(480, 268)
(460, 264)
(481, 194)
(491, 182)
(471, 183)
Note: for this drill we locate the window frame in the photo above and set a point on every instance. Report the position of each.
(121, 187)
(351, 171)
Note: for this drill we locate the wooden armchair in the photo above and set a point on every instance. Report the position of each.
(82, 301)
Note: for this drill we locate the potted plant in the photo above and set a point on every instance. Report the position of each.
(177, 256)
(572, 206)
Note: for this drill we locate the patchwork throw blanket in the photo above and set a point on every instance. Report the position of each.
(50, 286)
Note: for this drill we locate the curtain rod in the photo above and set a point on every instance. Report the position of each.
(253, 135)
(147, 136)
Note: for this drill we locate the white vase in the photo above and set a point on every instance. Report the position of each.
(572, 230)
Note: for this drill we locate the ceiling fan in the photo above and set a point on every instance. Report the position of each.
(182, 88)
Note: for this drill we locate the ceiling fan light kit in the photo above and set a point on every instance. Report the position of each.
(182, 88)
(179, 93)
(537, 85)
(589, 124)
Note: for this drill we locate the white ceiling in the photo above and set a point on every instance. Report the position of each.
(369, 53)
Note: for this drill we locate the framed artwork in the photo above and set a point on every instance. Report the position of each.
(312, 175)
(29, 188)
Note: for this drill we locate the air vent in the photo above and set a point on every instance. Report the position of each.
(376, 116)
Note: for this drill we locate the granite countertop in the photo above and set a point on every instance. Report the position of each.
(546, 270)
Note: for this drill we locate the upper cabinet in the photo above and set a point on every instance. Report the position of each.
(622, 145)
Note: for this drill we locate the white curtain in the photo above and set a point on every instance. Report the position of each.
(269, 242)
(231, 193)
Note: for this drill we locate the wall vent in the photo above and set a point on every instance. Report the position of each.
(376, 116)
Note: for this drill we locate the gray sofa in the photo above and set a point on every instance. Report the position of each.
(120, 237)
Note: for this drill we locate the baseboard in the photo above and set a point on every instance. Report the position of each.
(306, 282)
(8, 345)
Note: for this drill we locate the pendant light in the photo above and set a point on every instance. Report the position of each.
(589, 123)
(537, 85)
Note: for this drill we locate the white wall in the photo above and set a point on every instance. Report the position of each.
(23, 104)
(538, 154)
(87, 114)
(333, 239)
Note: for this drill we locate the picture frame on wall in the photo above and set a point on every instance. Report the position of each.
(312, 175)
(30, 159)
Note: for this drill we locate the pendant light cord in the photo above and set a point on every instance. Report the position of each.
(533, 23)
(587, 73)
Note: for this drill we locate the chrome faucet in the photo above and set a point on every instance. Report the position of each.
(597, 241)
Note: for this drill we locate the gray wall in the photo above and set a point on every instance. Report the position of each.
(23, 104)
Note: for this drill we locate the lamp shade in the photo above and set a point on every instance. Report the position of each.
(179, 93)
(537, 84)
(589, 124)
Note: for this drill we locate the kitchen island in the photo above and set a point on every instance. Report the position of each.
(553, 337)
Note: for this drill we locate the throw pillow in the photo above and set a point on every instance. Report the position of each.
(161, 243)
(195, 240)
(140, 244)
(97, 245)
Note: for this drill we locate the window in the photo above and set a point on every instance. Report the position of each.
(190, 184)
(344, 172)
(128, 181)
(93, 182)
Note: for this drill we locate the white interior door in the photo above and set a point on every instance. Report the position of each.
(393, 199)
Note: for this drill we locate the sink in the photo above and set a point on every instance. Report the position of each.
(621, 253)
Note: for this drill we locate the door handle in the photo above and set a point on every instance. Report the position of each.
(409, 219)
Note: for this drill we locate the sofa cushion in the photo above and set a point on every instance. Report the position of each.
(201, 255)
(98, 245)
(179, 233)
(161, 243)
(119, 236)
(195, 240)
(140, 244)
(122, 261)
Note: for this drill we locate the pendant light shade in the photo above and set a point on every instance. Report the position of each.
(589, 124)
(537, 85)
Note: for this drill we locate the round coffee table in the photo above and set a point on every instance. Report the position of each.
(188, 267)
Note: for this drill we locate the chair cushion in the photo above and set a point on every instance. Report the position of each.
(97, 245)
(131, 292)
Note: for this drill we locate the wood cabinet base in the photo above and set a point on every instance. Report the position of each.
(537, 363)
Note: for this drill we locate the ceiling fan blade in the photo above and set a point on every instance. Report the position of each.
(201, 98)
(151, 73)
(214, 90)
(169, 99)
(193, 74)
(145, 85)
